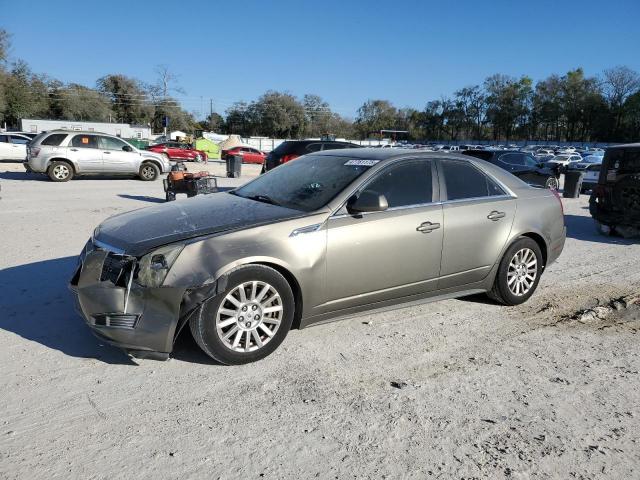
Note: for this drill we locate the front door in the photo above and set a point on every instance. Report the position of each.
(84, 151)
(478, 214)
(378, 256)
(118, 156)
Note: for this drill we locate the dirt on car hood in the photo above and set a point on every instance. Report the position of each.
(140, 231)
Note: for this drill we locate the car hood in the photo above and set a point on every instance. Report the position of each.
(140, 231)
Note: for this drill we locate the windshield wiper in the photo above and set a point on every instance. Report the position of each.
(263, 199)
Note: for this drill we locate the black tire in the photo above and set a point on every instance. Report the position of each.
(552, 183)
(170, 196)
(501, 291)
(197, 158)
(149, 172)
(203, 323)
(60, 171)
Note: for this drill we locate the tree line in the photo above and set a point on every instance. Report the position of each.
(569, 107)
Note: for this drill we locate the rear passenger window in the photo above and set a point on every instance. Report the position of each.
(4, 139)
(85, 141)
(463, 180)
(406, 184)
(54, 139)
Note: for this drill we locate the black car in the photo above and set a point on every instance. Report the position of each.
(296, 148)
(521, 164)
(615, 201)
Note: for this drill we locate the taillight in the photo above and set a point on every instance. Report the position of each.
(288, 158)
(557, 195)
(34, 151)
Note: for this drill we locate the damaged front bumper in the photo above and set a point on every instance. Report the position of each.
(144, 321)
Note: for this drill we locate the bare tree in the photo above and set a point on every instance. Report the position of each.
(166, 84)
(619, 84)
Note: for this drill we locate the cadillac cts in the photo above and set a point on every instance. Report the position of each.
(327, 235)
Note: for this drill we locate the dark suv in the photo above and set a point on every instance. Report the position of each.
(615, 201)
(291, 149)
(521, 164)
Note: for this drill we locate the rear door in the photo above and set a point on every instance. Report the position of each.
(379, 256)
(84, 151)
(478, 214)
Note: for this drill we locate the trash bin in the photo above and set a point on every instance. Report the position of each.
(572, 184)
(234, 166)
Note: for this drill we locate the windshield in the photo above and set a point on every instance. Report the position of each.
(307, 183)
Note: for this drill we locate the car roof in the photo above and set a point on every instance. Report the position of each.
(626, 145)
(80, 132)
(382, 154)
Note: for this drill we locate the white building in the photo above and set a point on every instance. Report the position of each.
(123, 130)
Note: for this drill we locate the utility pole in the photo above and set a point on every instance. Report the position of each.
(210, 113)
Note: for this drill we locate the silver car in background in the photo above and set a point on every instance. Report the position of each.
(63, 154)
(327, 235)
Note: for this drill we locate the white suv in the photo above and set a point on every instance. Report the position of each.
(62, 154)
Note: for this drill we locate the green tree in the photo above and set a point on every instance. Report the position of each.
(278, 115)
(77, 102)
(130, 101)
(375, 115)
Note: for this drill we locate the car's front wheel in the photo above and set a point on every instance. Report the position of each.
(247, 321)
(149, 172)
(519, 273)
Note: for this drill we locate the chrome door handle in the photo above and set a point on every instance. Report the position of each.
(73, 149)
(428, 227)
(108, 153)
(495, 215)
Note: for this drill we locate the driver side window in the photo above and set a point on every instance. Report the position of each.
(109, 143)
(407, 184)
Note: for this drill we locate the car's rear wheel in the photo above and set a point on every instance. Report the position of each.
(518, 273)
(198, 158)
(60, 171)
(149, 172)
(551, 183)
(247, 321)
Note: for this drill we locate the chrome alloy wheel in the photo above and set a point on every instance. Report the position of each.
(249, 316)
(61, 172)
(552, 183)
(522, 272)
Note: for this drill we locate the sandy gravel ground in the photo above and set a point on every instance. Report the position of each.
(455, 389)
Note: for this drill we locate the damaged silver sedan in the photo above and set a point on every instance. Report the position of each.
(325, 236)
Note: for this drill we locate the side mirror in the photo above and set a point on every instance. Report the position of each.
(367, 201)
(127, 148)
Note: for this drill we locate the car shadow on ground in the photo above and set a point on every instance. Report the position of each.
(143, 198)
(584, 228)
(22, 176)
(37, 305)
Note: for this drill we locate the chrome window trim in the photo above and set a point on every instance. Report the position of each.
(445, 202)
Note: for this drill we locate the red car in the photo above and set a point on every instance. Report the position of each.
(179, 152)
(248, 154)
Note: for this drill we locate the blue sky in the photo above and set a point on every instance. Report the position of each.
(345, 51)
